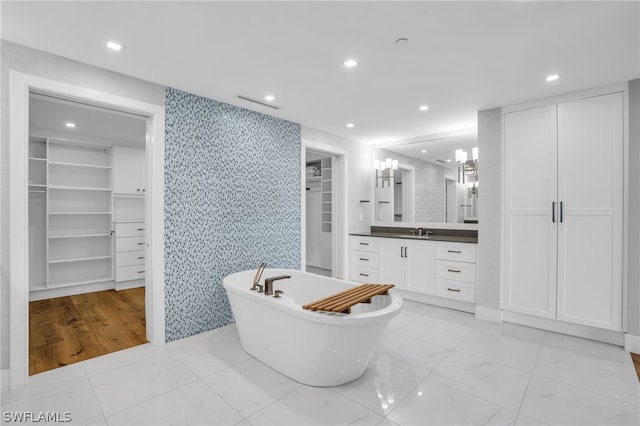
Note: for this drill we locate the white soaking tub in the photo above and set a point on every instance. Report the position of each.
(314, 348)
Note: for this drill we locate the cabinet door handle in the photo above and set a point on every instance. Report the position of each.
(454, 251)
(140, 229)
(140, 244)
(561, 211)
(553, 211)
(405, 252)
(141, 272)
(401, 252)
(140, 257)
(454, 270)
(364, 244)
(457, 290)
(364, 259)
(364, 275)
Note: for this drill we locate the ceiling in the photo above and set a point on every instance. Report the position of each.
(461, 57)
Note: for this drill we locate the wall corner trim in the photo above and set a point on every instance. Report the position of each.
(632, 343)
(4, 380)
(489, 314)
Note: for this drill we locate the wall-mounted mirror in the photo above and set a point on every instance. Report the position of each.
(427, 181)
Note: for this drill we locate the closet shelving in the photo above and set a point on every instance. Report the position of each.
(325, 189)
(75, 217)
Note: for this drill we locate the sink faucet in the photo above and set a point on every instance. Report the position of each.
(256, 279)
(268, 283)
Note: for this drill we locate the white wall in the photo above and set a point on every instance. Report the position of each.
(489, 210)
(29, 61)
(634, 209)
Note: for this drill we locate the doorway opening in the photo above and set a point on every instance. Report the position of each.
(86, 231)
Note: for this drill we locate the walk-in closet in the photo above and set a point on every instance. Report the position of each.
(319, 213)
(87, 168)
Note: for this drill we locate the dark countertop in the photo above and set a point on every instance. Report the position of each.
(435, 237)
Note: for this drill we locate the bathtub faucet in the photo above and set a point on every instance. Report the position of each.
(256, 279)
(268, 283)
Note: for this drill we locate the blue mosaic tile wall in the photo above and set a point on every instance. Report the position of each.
(232, 200)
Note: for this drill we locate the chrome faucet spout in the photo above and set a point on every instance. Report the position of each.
(259, 272)
(268, 283)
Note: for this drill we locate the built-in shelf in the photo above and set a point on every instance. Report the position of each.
(80, 213)
(78, 188)
(61, 284)
(79, 259)
(37, 159)
(129, 221)
(55, 237)
(79, 165)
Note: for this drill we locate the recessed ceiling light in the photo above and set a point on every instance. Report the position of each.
(269, 98)
(553, 77)
(70, 125)
(350, 125)
(424, 151)
(350, 63)
(114, 46)
(423, 108)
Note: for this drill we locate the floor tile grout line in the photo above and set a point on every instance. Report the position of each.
(95, 395)
(526, 390)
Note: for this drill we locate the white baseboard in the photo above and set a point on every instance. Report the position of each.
(438, 301)
(127, 285)
(632, 343)
(4, 380)
(578, 330)
(489, 314)
(53, 292)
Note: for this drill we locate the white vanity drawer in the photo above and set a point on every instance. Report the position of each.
(364, 259)
(459, 252)
(364, 275)
(458, 290)
(458, 271)
(134, 229)
(127, 273)
(129, 258)
(129, 244)
(364, 244)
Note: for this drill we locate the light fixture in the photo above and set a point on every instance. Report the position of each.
(467, 168)
(423, 108)
(114, 46)
(552, 77)
(70, 125)
(269, 98)
(384, 170)
(350, 125)
(350, 63)
(424, 151)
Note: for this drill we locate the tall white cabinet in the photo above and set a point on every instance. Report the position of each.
(564, 188)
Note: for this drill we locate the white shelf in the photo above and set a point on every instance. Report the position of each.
(129, 221)
(78, 259)
(55, 237)
(37, 159)
(79, 213)
(78, 188)
(79, 282)
(119, 194)
(79, 165)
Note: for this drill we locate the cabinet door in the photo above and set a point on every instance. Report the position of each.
(392, 262)
(127, 166)
(590, 142)
(531, 243)
(420, 258)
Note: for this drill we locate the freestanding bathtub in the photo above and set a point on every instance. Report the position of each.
(314, 348)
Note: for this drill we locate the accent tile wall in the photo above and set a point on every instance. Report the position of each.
(232, 200)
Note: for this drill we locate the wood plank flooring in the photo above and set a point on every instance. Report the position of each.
(636, 363)
(66, 330)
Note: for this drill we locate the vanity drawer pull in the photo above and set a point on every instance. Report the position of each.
(140, 257)
(364, 244)
(141, 272)
(454, 270)
(457, 290)
(139, 229)
(454, 251)
(140, 244)
(363, 275)
(364, 258)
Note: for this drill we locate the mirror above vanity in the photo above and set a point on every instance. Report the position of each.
(428, 180)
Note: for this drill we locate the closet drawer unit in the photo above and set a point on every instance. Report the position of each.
(129, 244)
(458, 290)
(129, 258)
(364, 244)
(364, 259)
(135, 229)
(458, 271)
(364, 275)
(128, 273)
(456, 251)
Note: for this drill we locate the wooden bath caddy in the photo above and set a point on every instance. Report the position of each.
(343, 301)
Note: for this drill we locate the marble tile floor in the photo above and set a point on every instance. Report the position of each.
(433, 367)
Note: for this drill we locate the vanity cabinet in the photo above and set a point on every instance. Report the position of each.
(364, 260)
(407, 264)
(564, 186)
(130, 251)
(455, 271)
